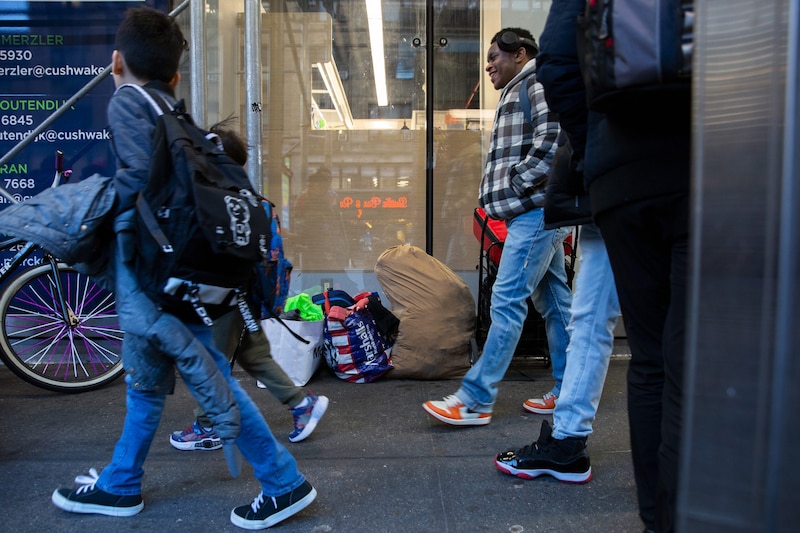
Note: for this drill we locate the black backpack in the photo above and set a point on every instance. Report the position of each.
(200, 226)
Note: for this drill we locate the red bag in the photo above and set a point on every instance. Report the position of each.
(490, 233)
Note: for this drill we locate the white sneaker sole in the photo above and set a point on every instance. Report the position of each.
(580, 477)
(203, 446)
(539, 410)
(87, 508)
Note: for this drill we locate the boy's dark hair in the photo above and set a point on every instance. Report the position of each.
(232, 142)
(151, 44)
(511, 39)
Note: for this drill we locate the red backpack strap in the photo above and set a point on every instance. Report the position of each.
(327, 302)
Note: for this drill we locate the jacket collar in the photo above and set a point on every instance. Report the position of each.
(160, 86)
(528, 69)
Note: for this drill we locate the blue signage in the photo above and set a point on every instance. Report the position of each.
(49, 50)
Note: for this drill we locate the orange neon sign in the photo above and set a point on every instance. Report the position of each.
(373, 203)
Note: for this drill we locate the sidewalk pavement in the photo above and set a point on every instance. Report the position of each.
(379, 463)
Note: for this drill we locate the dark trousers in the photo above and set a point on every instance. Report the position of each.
(647, 244)
(252, 353)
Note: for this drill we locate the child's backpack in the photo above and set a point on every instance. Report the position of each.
(631, 48)
(200, 227)
(273, 273)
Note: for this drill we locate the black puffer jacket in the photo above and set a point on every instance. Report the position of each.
(559, 72)
(629, 155)
(566, 200)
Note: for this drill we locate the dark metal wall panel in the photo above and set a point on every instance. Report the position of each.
(742, 418)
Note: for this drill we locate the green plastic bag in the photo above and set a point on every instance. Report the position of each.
(308, 309)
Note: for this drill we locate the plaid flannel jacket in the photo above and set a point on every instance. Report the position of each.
(521, 151)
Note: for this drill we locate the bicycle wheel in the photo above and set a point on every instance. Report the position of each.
(76, 353)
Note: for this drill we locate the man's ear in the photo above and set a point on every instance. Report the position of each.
(521, 54)
(117, 63)
(175, 79)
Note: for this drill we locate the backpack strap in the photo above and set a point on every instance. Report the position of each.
(525, 98)
(150, 222)
(160, 105)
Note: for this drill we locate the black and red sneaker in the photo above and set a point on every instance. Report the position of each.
(564, 459)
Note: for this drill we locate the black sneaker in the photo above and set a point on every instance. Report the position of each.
(89, 499)
(266, 511)
(564, 459)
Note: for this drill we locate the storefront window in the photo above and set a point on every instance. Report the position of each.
(357, 163)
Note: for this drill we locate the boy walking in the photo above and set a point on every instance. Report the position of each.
(148, 48)
(252, 351)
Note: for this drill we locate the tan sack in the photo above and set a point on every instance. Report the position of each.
(436, 312)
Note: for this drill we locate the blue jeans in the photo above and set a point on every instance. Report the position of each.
(273, 465)
(532, 264)
(158, 343)
(595, 309)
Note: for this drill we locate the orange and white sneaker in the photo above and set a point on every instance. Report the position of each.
(452, 411)
(541, 406)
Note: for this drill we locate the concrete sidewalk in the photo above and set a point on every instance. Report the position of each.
(377, 460)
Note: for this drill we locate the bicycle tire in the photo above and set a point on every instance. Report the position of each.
(42, 347)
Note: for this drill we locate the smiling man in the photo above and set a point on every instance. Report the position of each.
(523, 144)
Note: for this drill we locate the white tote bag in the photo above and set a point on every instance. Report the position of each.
(299, 360)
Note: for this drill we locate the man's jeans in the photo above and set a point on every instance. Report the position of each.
(595, 309)
(532, 264)
(273, 465)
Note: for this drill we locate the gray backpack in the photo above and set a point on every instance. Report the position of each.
(632, 48)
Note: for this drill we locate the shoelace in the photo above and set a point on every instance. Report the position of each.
(534, 448)
(452, 400)
(259, 501)
(300, 421)
(87, 482)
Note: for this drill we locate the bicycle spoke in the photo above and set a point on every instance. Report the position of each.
(94, 347)
(42, 349)
(79, 351)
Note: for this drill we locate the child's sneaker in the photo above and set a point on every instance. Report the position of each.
(541, 406)
(89, 499)
(266, 511)
(195, 437)
(307, 416)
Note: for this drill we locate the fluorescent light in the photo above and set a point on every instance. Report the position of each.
(333, 85)
(375, 20)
